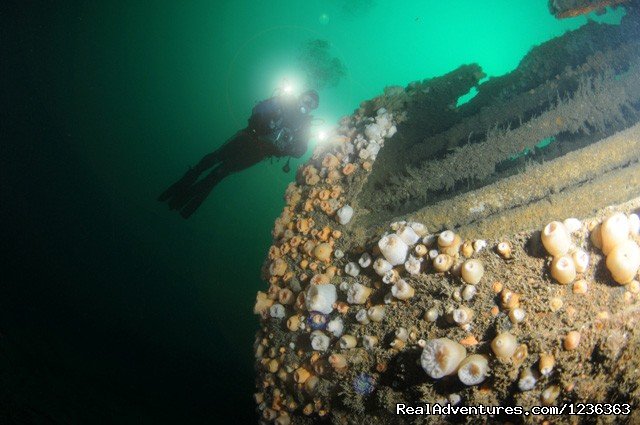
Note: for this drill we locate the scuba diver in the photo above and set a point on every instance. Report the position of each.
(278, 126)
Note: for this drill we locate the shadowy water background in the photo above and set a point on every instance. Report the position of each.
(113, 309)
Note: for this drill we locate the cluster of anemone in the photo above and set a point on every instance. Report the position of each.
(329, 311)
(619, 235)
(339, 307)
(402, 254)
(616, 236)
(303, 292)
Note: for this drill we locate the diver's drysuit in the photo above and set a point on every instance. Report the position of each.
(278, 126)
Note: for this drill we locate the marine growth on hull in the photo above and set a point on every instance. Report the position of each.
(484, 253)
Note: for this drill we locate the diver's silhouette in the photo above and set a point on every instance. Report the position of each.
(278, 126)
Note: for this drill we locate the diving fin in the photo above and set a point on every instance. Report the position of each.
(180, 186)
(286, 168)
(199, 192)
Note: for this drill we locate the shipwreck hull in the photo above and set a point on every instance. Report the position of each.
(557, 138)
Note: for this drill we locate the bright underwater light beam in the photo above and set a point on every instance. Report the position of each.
(288, 86)
(322, 134)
